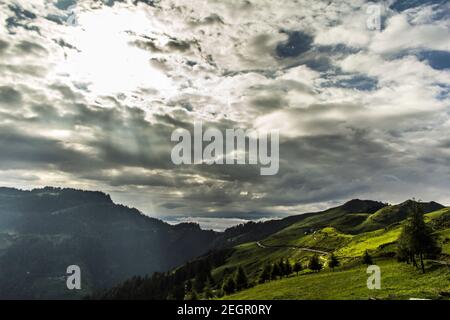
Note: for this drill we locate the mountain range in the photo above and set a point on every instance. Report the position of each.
(43, 231)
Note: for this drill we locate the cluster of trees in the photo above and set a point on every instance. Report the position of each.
(333, 262)
(417, 241)
(188, 282)
(236, 282)
(282, 268)
(314, 263)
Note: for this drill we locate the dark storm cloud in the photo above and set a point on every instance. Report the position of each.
(212, 195)
(178, 45)
(10, 96)
(137, 179)
(126, 140)
(172, 205)
(329, 166)
(262, 44)
(147, 44)
(238, 173)
(3, 46)
(23, 151)
(64, 44)
(111, 3)
(123, 137)
(173, 45)
(268, 103)
(313, 169)
(354, 147)
(114, 153)
(151, 3)
(172, 120)
(28, 47)
(444, 143)
(350, 125)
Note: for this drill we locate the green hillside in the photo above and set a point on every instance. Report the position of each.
(311, 234)
(398, 281)
(347, 232)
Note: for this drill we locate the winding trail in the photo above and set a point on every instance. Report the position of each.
(261, 245)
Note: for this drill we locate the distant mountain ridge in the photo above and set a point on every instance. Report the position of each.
(43, 231)
(357, 205)
(253, 231)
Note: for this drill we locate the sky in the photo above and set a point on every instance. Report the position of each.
(91, 91)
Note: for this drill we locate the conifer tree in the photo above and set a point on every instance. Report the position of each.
(314, 263)
(266, 273)
(241, 279)
(229, 286)
(367, 259)
(275, 271)
(298, 267)
(288, 268)
(333, 262)
(417, 240)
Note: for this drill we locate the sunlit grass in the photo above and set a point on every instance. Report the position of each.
(398, 281)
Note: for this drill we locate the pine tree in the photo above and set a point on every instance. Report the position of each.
(417, 239)
(282, 267)
(177, 292)
(266, 273)
(220, 293)
(287, 268)
(367, 259)
(404, 253)
(275, 272)
(241, 279)
(188, 286)
(333, 261)
(207, 291)
(229, 286)
(314, 263)
(298, 267)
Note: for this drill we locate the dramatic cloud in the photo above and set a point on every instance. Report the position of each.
(90, 92)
